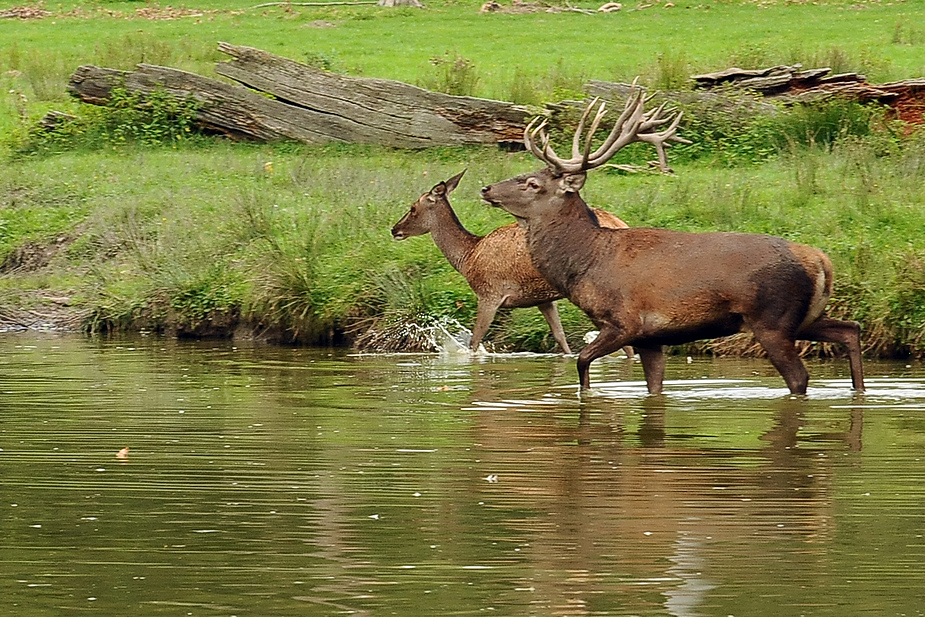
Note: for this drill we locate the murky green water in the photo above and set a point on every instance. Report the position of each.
(275, 482)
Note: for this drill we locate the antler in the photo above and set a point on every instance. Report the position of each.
(633, 125)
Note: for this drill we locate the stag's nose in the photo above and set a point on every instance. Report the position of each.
(397, 235)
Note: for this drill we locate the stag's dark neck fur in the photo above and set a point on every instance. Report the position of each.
(552, 243)
(453, 240)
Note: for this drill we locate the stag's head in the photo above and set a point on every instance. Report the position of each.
(534, 193)
(421, 217)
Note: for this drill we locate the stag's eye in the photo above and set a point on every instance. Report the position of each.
(414, 210)
(531, 183)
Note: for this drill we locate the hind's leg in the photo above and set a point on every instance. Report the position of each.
(485, 314)
(551, 313)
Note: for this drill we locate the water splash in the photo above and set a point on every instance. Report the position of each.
(425, 334)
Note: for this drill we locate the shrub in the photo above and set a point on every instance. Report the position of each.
(155, 119)
(735, 139)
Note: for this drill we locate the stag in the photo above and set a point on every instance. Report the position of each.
(496, 266)
(654, 287)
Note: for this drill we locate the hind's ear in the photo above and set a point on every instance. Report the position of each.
(439, 190)
(453, 182)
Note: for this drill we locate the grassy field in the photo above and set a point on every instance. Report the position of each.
(202, 236)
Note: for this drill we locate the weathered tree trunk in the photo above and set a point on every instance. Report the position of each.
(284, 99)
(792, 84)
(375, 110)
(231, 110)
(313, 106)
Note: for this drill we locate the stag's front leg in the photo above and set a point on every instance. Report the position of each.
(608, 341)
(653, 367)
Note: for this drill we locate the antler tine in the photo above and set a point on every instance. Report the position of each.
(576, 139)
(544, 152)
(653, 118)
(580, 155)
(530, 134)
(660, 139)
(591, 131)
(624, 131)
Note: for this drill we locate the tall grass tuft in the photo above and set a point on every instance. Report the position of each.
(905, 34)
(840, 60)
(45, 75)
(452, 74)
(671, 72)
(523, 89)
(140, 47)
(559, 82)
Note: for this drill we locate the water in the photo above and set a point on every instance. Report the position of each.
(274, 482)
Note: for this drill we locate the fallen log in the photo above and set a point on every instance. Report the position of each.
(380, 111)
(230, 110)
(791, 85)
(282, 99)
(311, 105)
(772, 80)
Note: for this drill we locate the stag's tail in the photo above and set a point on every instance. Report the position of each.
(819, 269)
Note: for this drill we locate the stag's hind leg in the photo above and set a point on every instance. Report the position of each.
(848, 333)
(551, 313)
(783, 355)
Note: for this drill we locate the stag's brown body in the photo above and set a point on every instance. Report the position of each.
(654, 287)
(497, 266)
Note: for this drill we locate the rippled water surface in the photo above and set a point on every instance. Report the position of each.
(274, 482)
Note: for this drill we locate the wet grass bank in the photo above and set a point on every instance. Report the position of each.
(292, 244)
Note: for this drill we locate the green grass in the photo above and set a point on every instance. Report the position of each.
(154, 229)
(882, 40)
(294, 240)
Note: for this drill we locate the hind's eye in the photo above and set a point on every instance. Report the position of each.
(413, 210)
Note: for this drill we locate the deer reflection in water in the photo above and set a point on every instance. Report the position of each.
(622, 507)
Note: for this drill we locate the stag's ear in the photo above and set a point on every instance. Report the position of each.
(572, 182)
(453, 182)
